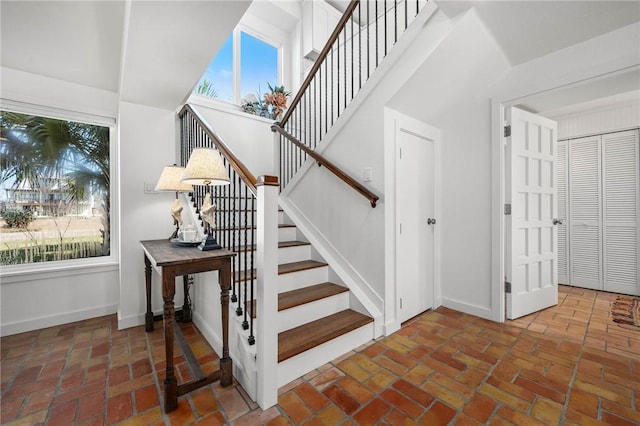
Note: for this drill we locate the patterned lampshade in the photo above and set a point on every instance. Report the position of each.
(205, 167)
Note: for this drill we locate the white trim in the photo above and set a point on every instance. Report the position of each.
(214, 340)
(497, 216)
(56, 113)
(393, 122)
(53, 320)
(223, 106)
(468, 308)
(75, 264)
(12, 274)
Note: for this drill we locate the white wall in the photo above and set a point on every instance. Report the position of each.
(248, 136)
(36, 299)
(147, 144)
(356, 232)
(450, 91)
(456, 90)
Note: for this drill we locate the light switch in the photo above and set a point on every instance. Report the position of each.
(367, 174)
(149, 188)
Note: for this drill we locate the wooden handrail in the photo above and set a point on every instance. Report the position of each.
(373, 198)
(247, 177)
(321, 57)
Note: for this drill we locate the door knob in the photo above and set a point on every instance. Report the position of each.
(431, 221)
(557, 221)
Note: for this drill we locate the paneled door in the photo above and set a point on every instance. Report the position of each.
(416, 223)
(531, 233)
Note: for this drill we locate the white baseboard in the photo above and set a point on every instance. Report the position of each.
(212, 337)
(468, 308)
(58, 319)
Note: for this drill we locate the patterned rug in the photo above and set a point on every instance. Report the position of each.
(626, 312)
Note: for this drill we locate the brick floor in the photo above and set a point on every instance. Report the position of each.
(569, 364)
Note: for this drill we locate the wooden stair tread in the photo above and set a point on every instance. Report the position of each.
(243, 227)
(281, 244)
(285, 268)
(293, 298)
(297, 340)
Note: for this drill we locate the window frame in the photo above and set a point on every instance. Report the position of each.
(62, 268)
(236, 65)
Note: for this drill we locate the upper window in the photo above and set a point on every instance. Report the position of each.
(244, 66)
(54, 189)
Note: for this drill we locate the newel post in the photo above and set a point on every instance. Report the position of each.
(267, 291)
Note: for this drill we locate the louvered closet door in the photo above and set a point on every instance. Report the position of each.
(621, 165)
(585, 261)
(563, 213)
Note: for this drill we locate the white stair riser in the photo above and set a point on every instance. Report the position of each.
(299, 315)
(288, 233)
(299, 365)
(300, 279)
(239, 218)
(285, 255)
(294, 254)
(231, 238)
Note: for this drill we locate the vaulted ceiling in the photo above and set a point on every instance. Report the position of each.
(154, 51)
(150, 52)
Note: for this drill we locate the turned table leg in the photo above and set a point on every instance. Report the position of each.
(170, 381)
(226, 366)
(148, 316)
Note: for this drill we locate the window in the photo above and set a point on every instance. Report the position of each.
(54, 189)
(258, 65)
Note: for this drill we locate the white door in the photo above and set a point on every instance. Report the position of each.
(531, 261)
(415, 219)
(585, 203)
(621, 211)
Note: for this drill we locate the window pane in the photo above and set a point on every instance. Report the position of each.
(258, 65)
(54, 189)
(217, 81)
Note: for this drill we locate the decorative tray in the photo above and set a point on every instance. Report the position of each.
(179, 242)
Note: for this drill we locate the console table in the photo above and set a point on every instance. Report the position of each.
(171, 261)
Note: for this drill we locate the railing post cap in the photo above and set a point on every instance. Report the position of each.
(267, 180)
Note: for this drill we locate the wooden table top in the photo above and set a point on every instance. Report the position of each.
(164, 253)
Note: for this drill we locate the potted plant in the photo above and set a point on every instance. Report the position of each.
(270, 105)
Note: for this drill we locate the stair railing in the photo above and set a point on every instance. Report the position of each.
(362, 38)
(247, 223)
(235, 215)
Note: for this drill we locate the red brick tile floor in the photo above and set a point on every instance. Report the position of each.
(569, 364)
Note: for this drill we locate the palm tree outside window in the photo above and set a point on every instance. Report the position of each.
(54, 189)
(244, 67)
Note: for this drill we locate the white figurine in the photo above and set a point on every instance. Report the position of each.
(207, 212)
(176, 212)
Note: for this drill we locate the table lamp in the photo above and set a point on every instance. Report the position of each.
(170, 181)
(205, 167)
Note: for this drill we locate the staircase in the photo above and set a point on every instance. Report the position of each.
(318, 316)
(314, 312)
